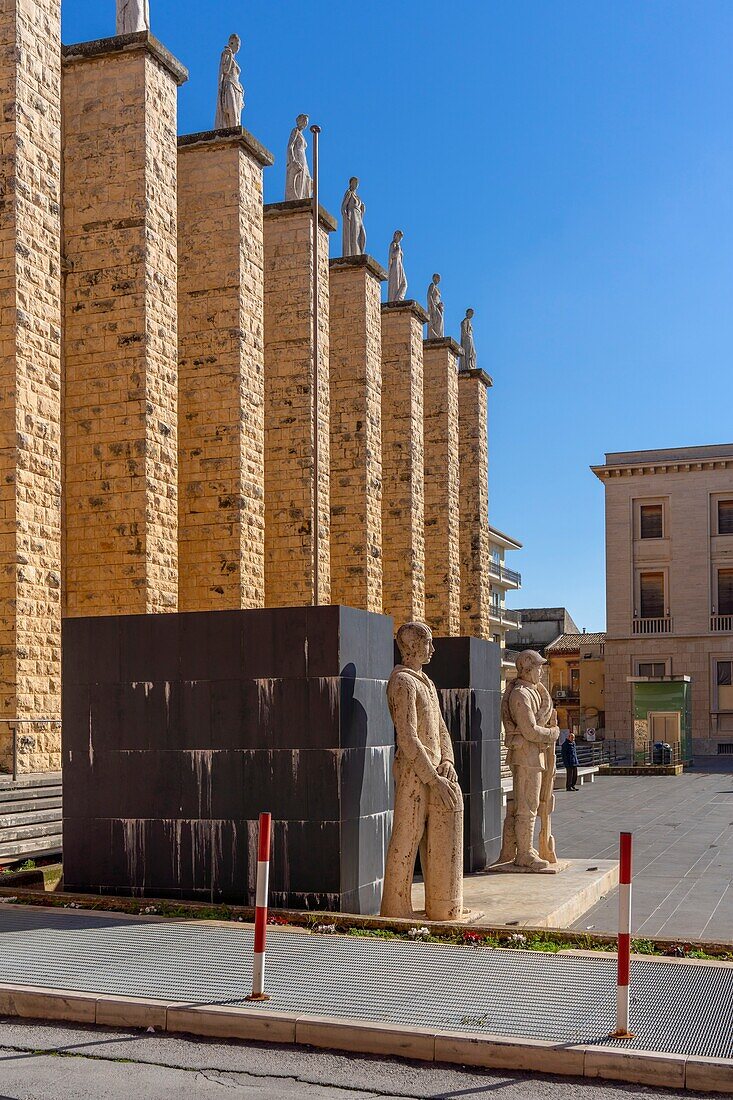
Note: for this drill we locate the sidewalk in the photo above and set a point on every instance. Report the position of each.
(680, 1007)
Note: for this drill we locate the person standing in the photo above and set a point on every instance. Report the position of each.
(571, 762)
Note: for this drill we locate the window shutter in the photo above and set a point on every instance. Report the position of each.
(651, 588)
(725, 592)
(651, 521)
(725, 517)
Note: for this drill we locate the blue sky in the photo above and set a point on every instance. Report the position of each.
(567, 167)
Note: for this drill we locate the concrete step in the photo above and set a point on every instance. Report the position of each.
(30, 849)
(32, 816)
(28, 805)
(31, 779)
(11, 795)
(29, 832)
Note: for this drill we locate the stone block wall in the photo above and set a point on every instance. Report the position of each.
(442, 504)
(355, 366)
(221, 435)
(120, 342)
(30, 376)
(403, 496)
(290, 494)
(473, 387)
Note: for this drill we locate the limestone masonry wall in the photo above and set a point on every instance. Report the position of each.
(442, 504)
(289, 450)
(120, 346)
(473, 401)
(356, 432)
(156, 383)
(221, 433)
(30, 366)
(403, 502)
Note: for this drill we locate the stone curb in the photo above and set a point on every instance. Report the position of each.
(640, 1067)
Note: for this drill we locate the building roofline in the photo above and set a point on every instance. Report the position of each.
(672, 459)
(505, 540)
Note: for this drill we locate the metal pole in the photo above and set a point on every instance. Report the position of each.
(315, 130)
(263, 878)
(624, 940)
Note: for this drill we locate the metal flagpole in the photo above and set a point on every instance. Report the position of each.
(315, 130)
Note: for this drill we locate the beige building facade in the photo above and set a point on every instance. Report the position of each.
(669, 585)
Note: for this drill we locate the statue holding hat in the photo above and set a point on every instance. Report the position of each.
(530, 725)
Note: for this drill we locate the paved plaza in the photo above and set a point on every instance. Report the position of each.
(683, 839)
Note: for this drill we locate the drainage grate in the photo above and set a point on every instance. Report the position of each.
(682, 1009)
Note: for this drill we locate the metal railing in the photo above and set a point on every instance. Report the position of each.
(503, 574)
(24, 741)
(563, 694)
(652, 626)
(591, 754)
(654, 752)
(722, 623)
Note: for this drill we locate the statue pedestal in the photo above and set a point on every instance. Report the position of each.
(512, 869)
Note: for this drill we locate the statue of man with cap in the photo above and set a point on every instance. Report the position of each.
(530, 726)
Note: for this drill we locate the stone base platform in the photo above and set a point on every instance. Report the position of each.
(535, 900)
(512, 869)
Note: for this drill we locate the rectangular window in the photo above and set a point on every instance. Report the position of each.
(651, 524)
(725, 591)
(724, 682)
(725, 517)
(652, 668)
(651, 595)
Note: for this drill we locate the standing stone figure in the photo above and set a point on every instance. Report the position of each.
(352, 213)
(133, 16)
(435, 310)
(469, 348)
(230, 97)
(397, 280)
(530, 725)
(298, 182)
(428, 809)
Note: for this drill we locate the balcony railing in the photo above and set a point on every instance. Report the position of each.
(504, 616)
(721, 624)
(565, 694)
(653, 626)
(501, 573)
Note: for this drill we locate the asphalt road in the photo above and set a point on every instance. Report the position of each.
(683, 836)
(40, 1062)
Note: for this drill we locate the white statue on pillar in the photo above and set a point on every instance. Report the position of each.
(230, 96)
(397, 280)
(298, 182)
(435, 310)
(133, 16)
(352, 214)
(428, 809)
(469, 348)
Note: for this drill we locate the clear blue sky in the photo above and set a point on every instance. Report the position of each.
(567, 166)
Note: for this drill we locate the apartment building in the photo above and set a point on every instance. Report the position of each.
(502, 618)
(577, 681)
(669, 597)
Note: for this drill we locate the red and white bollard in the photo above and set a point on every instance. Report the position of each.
(624, 940)
(263, 876)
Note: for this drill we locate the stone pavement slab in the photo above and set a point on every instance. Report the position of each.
(683, 837)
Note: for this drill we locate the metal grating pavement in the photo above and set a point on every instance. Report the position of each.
(682, 1009)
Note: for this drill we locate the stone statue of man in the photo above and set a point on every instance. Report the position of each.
(435, 310)
(298, 182)
(230, 94)
(530, 726)
(133, 16)
(469, 348)
(397, 280)
(428, 810)
(352, 214)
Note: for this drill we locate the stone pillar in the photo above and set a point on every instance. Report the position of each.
(120, 342)
(356, 432)
(221, 375)
(473, 409)
(403, 502)
(289, 452)
(442, 510)
(30, 377)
